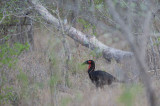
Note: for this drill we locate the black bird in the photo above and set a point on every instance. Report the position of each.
(98, 77)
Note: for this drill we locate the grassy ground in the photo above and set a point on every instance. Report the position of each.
(39, 81)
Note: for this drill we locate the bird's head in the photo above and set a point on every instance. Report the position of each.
(88, 62)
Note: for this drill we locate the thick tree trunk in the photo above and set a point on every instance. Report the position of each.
(86, 40)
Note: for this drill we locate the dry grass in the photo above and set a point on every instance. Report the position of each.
(81, 92)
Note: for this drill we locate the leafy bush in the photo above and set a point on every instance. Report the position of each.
(8, 59)
(8, 53)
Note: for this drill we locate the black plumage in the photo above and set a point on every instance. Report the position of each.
(99, 78)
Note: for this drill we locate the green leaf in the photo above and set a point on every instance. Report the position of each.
(99, 6)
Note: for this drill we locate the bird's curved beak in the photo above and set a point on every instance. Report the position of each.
(84, 63)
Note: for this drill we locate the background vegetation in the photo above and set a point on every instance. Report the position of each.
(41, 66)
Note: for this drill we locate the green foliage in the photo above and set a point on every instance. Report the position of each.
(8, 58)
(65, 101)
(68, 81)
(6, 94)
(75, 66)
(87, 25)
(8, 54)
(84, 23)
(158, 38)
(26, 90)
(129, 95)
(115, 2)
(53, 59)
(23, 79)
(123, 4)
(99, 4)
(9, 19)
(133, 5)
(143, 6)
(23, 82)
(12, 6)
(53, 81)
(158, 41)
(98, 1)
(96, 53)
(55, 77)
(40, 85)
(79, 96)
(8, 8)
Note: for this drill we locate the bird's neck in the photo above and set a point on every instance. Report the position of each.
(91, 68)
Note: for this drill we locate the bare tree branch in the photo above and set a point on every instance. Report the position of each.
(86, 40)
(140, 62)
(4, 16)
(66, 48)
(2, 19)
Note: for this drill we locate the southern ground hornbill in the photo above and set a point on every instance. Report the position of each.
(98, 77)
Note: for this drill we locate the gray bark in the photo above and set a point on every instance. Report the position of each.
(86, 40)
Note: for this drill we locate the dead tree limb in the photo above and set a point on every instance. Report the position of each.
(86, 40)
(66, 48)
(137, 54)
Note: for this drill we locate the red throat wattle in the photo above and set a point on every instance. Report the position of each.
(89, 66)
